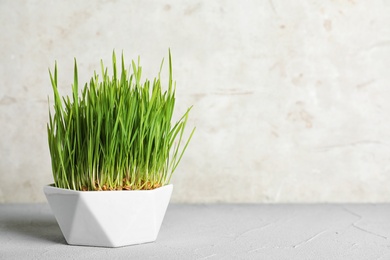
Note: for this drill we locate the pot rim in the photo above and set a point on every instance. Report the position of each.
(51, 186)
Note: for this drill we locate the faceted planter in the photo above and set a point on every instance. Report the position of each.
(109, 218)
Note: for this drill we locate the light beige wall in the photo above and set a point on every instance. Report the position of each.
(291, 98)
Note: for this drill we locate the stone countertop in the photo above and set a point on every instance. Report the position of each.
(217, 231)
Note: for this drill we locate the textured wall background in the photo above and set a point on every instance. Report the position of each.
(291, 98)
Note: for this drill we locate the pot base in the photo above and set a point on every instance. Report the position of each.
(109, 218)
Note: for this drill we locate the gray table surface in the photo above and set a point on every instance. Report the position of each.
(244, 231)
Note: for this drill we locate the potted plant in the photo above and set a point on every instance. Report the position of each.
(113, 150)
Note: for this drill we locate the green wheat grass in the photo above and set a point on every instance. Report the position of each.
(116, 133)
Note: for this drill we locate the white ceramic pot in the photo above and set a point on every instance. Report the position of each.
(109, 218)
